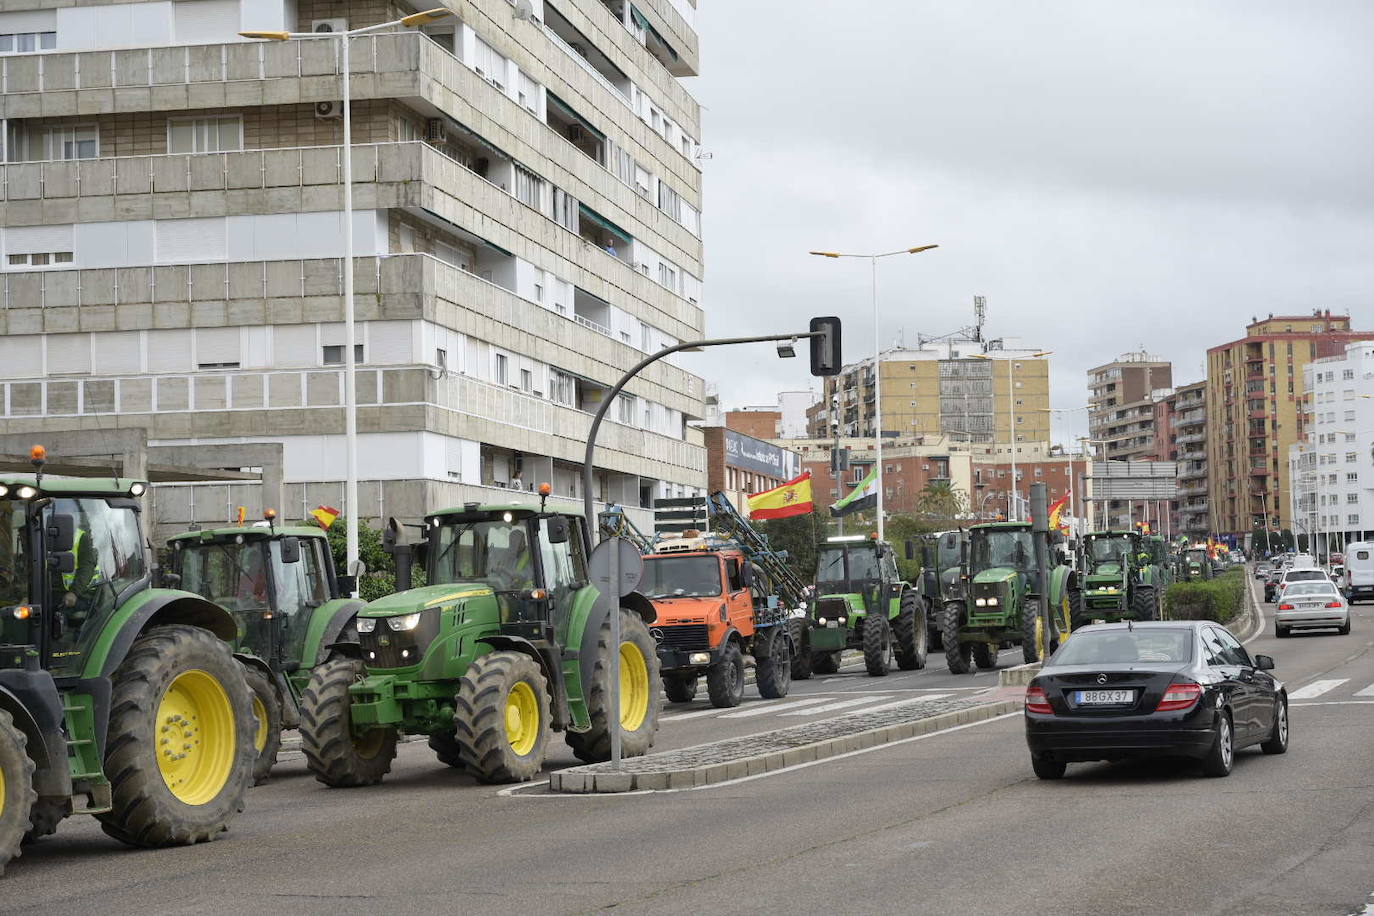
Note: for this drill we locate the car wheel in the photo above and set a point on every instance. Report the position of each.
(1221, 757)
(1278, 737)
(1047, 767)
(1280, 632)
(1345, 630)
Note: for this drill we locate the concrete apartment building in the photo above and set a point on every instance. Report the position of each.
(1188, 420)
(1331, 471)
(1121, 405)
(527, 226)
(943, 389)
(1254, 392)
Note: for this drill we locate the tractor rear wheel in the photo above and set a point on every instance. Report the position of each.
(910, 633)
(445, 747)
(801, 655)
(877, 644)
(725, 678)
(180, 753)
(958, 655)
(266, 720)
(639, 701)
(1033, 637)
(501, 717)
(1144, 603)
(16, 788)
(332, 753)
(826, 662)
(985, 655)
(773, 673)
(680, 688)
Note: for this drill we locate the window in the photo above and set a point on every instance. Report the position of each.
(502, 369)
(538, 293)
(23, 42)
(565, 210)
(667, 276)
(1348, 374)
(529, 187)
(669, 201)
(40, 259)
(528, 92)
(489, 64)
(625, 407)
(204, 135)
(1351, 456)
(1350, 415)
(526, 380)
(561, 388)
(66, 142)
(334, 355)
(1352, 497)
(441, 358)
(625, 337)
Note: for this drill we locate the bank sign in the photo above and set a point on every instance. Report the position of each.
(750, 454)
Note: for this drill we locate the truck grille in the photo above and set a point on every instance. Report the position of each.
(831, 607)
(683, 636)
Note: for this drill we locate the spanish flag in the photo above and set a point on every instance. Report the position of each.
(1057, 513)
(325, 515)
(792, 498)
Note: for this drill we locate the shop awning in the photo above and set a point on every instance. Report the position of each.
(567, 111)
(592, 216)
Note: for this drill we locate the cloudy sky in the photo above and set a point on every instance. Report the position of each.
(1111, 175)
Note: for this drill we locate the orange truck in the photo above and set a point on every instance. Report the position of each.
(716, 605)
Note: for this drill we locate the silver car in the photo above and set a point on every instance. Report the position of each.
(1311, 606)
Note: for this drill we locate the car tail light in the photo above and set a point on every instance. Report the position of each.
(1036, 701)
(1179, 696)
(1333, 604)
(1286, 607)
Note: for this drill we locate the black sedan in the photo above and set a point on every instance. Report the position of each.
(1158, 689)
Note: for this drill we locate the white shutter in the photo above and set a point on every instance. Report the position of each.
(182, 240)
(21, 357)
(217, 345)
(118, 351)
(38, 239)
(389, 342)
(69, 353)
(169, 351)
(205, 21)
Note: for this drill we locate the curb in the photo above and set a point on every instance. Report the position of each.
(579, 780)
(1019, 676)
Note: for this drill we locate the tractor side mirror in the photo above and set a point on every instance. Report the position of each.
(910, 550)
(348, 585)
(391, 534)
(290, 550)
(61, 533)
(558, 529)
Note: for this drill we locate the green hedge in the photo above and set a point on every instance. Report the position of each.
(1219, 599)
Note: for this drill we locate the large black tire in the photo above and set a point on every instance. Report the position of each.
(773, 673)
(680, 688)
(1031, 636)
(1277, 742)
(934, 612)
(445, 747)
(877, 644)
(17, 797)
(595, 744)
(801, 657)
(1221, 756)
(1048, 768)
(725, 678)
(826, 662)
(331, 752)
(958, 656)
(985, 656)
(1145, 602)
(170, 671)
(1078, 610)
(267, 722)
(46, 814)
(909, 632)
(499, 692)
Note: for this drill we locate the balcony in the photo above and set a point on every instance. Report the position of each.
(1190, 438)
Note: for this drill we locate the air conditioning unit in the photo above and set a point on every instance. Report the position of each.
(329, 25)
(435, 131)
(329, 109)
(575, 133)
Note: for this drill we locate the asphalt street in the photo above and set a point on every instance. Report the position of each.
(952, 822)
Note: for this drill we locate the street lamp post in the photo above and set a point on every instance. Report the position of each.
(351, 508)
(1014, 513)
(877, 362)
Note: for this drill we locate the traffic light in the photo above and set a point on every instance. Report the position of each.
(825, 347)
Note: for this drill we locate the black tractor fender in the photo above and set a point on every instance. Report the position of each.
(337, 636)
(765, 637)
(31, 698)
(168, 608)
(548, 665)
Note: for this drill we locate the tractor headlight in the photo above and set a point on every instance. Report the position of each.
(404, 622)
(4, 490)
(992, 602)
(821, 621)
(980, 602)
(367, 624)
(26, 492)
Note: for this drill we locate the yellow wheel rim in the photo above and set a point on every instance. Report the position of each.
(634, 687)
(522, 718)
(260, 714)
(1040, 637)
(195, 737)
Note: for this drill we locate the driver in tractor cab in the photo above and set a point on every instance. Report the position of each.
(252, 578)
(81, 587)
(512, 565)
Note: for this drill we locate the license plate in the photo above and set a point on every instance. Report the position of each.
(1104, 697)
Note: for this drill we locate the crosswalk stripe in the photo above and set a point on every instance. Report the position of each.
(832, 707)
(690, 715)
(933, 696)
(1367, 692)
(1317, 688)
(763, 709)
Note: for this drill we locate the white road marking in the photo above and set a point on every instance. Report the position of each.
(1367, 692)
(1336, 703)
(937, 696)
(683, 716)
(1317, 688)
(763, 709)
(832, 707)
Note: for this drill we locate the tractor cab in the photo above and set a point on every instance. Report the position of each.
(1106, 552)
(849, 565)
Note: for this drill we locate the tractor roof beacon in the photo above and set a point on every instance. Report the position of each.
(292, 612)
(508, 643)
(117, 699)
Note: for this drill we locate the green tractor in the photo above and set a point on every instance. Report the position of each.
(117, 699)
(1194, 564)
(940, 553)
(290, 610)
(1158, 548)
(992, 597)
(860, 602)
(507, 643)
(1120, 579)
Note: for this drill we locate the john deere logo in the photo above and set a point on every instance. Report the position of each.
(386, 641)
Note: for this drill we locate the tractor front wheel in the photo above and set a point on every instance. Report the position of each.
(801, 654)
(958, 655)
(1144, 603)
(445, 747)
(639, 700)
(16, 788)
(910, 633)
(332, 753)
(773, 673)
(180, 753)
(985, 655)
(501, 717)
(266, 720)
(826, 662)
(877, 644)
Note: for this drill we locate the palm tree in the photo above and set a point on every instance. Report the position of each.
(939, 499)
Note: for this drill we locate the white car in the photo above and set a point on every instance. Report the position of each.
(1312, 605)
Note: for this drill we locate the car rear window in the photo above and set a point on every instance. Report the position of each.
(1311, 588)
(1116, 647)
(1304, 575)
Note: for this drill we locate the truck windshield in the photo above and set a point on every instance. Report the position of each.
(232, 575)
(680, 577)
(862, 563)
(1109, 549)
(1011, 548)
(14, 564)
(494, 552)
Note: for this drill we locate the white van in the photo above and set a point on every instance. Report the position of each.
(1359, 571)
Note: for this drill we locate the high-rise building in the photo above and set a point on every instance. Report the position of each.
(1189, 424)
(1121, 406)
(527, 227)
(953, 388)
(1254, 414)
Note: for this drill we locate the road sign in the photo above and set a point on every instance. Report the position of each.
(629, 561)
